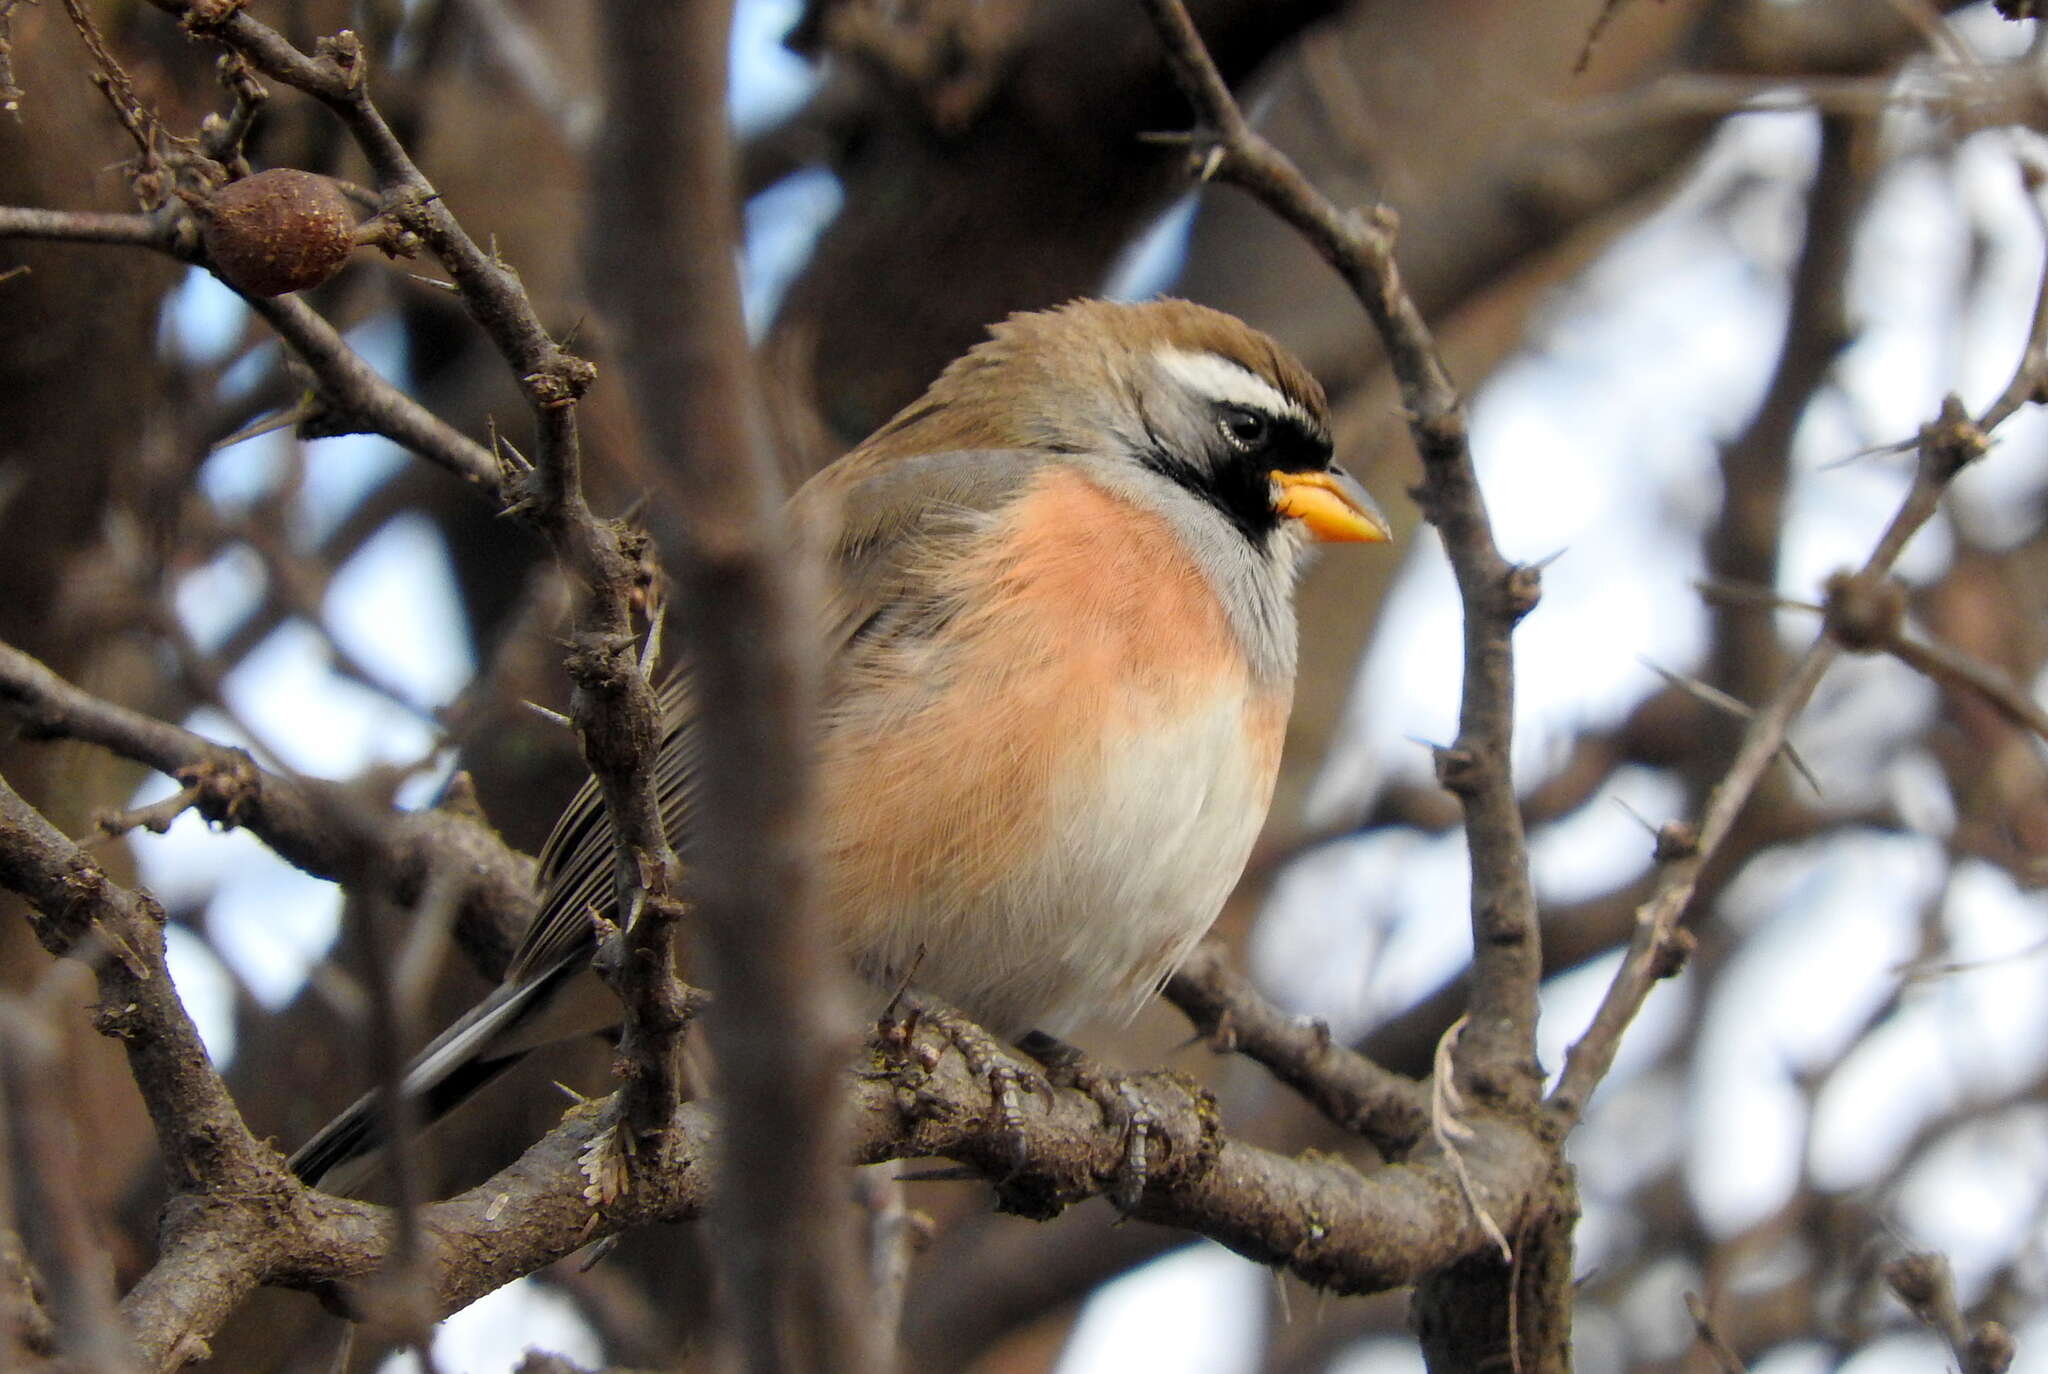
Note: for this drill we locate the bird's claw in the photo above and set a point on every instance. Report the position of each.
(1127, 1187)
(1124, 1109)
(986, 1059)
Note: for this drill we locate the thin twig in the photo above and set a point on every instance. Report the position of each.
(86, 226)
(1926, 1284)
(1655, 950)
(293, 815)
(353, 396)
(613, 704)
(1724, 1357)
(1868, 616)
(357, 397)
(2031, 376)
(1944, 448)
(1357, 1094)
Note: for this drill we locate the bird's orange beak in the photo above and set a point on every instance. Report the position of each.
(1333, 505)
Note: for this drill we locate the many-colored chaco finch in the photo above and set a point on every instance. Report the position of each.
(1059, 643)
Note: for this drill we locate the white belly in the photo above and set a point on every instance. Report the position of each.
(1148, 833)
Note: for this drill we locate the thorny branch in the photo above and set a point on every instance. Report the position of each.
(1864, 612)
(1864, 609)
(1498, 1051)
(1946, 446)
(292, 815)
(83, 914)
(1926, 1285)
(1869, 616)
(1318, 1217)
(1303, 1214)
(1481, 1310)
(614, 703)
(1252, 1200)
(353, 397)
(1384, 1108)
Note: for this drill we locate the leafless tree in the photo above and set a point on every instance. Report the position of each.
(539, 201)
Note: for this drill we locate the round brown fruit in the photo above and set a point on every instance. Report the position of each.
(277, 231)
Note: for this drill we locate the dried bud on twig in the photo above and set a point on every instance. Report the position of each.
(277, 231)
(1864, 613)
(1991, 1349)
(1919, 1280)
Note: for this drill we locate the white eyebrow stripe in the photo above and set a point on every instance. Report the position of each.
(1231, 383)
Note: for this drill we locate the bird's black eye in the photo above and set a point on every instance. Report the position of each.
(1247, 429)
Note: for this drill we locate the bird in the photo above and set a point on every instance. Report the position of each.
(1059, 642)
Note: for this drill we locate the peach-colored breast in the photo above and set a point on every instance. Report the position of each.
(1082, 734)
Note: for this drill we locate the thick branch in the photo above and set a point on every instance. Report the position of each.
(81, 913)
(1317, 1216)
(664, 267)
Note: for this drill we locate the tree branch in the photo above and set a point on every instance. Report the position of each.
(1318, 1217)
(1868, 616)
(1480, 1310)
(614, 704)
(663, 264)
(83, 914)
(1498, 1052)
(1924, 1282)
(295, 816)
(1382, 1107)
(1658, 947)
(86, 226)
(355, 398)
(1945, 447)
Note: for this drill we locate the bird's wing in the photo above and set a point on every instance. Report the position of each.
(576, 869)
(891, 532)
(882, 529)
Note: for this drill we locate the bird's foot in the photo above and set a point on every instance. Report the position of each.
(1122, 1105)
(985, 1058)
